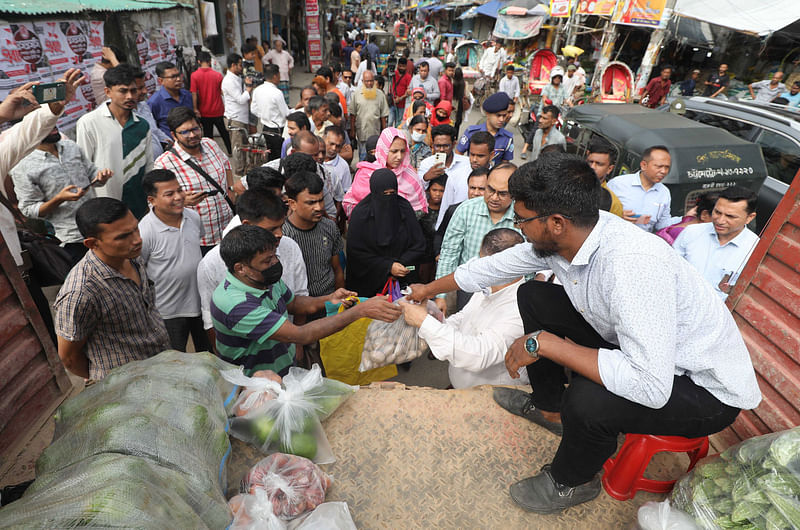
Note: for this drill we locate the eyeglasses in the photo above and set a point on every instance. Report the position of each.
(500, 194)
(187, 132)
(173, 76)
(519, 221)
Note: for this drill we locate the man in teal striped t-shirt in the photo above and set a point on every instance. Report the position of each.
(250, 307)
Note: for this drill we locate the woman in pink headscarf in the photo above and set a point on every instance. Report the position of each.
(391, 152)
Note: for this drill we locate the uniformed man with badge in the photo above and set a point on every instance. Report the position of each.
(495, 108)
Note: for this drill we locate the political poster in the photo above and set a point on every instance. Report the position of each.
(596, 7)
(559, 8)
(645, 13)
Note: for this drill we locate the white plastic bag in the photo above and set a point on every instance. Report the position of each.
(394, 342)
(661, 516)
(254, 512)
(286, 418)
(326, 516)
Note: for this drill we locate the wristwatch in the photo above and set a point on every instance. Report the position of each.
(532, 344)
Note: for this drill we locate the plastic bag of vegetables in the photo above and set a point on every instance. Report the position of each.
(394, 342)
(292, 485)
(112, 490)
(754, 484)
(285, 417)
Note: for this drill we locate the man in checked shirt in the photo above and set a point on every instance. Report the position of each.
(201, 195)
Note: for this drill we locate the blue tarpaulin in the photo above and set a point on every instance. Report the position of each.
(490, 9)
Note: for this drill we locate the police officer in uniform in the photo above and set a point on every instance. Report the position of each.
(495, 108)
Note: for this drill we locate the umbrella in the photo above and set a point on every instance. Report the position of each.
(571, 51)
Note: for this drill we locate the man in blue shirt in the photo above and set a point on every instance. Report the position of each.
(495, 107)
(170, 95)
(720, 249)
(793, 95)
(372, 49)
(645, 200)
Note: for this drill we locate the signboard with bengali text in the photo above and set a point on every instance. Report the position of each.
(595, 7)
(645, 13)
(314, 36)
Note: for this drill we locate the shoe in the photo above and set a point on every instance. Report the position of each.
(542, 494)
(523, 156)
(521, 403)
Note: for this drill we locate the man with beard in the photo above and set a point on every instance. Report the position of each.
(114, 136)
(368, 114)
(673, 364)
(398, 92)
(203, 171)
(52, 182)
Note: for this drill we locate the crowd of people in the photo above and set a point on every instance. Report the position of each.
(549, 261)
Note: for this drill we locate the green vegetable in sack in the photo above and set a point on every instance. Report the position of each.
(724, 483)
(788, 507)
(263, 430)
(781, 483)
(745, 511)
(786, 448)
(752, 451)
(776, 521)
(725, 506)
(301, 444)
(757, 497)
(713, 469)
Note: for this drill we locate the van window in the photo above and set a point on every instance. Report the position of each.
(739, 128)
(781, 154)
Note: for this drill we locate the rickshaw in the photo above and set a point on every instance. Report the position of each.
(468, 55)
(386, 46)
(542, 62)
(401, 34)
(703, 157)
(616, 83)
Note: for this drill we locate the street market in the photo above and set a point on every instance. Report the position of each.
(404, 264)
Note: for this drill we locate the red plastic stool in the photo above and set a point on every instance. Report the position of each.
(624, 475)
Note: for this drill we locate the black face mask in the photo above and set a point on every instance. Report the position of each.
(272, 275)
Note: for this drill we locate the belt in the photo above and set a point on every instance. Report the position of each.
(276, 130)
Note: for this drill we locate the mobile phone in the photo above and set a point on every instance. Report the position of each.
(92, 184)
(211, 193)
(47, 92)
(440, 158)
(635, 215)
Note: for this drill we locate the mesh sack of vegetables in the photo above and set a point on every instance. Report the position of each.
(285, 416)
(108, 491)
(293, 485)
(394, 342)
(754, 484)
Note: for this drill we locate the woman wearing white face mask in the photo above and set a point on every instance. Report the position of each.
(420, 140)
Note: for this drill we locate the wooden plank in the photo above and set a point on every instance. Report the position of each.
(780, 283)
(12, 321)
(21, 351)
(786, 248)
(775, 411)
(771, 320)
(35, 376)
(14, 438)
(772, 364)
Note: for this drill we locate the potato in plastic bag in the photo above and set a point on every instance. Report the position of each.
(293, 484)
(394, 342)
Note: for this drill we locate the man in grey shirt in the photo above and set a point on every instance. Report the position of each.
(425, 80)
(52, 182)
(671, 364)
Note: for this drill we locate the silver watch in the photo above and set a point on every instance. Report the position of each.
(532, 344)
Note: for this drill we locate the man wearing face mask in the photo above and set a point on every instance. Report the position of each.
(52, 182)
(250, 308)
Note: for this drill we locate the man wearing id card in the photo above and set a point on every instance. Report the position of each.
(645, 200)
(720, 249)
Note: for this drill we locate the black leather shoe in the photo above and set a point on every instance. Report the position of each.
(542, 494)
(520, 403)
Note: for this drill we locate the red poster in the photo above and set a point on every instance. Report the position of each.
(314, 37)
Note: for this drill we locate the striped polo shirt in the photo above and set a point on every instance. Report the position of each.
(245, 318)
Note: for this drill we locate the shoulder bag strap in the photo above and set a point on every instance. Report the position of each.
(200, 171)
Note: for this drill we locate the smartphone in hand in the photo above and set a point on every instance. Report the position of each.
(92, 184)
(49, 92)
(440, 158)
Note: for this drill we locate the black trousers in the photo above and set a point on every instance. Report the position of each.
(274, 140)
(179, 329)
(218, 122)
(592, 416)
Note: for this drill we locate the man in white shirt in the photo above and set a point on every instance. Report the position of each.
(510, 84)
(673, 363)
(339, 169)
(720, 249)
(646, 201)
(270, 107)
(456, 167)
(236, 97)
(285, 62)
(171, 253)
(475, 340)
(264, 209)
(490, 61)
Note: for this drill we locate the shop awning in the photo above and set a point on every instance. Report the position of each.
(490, 9)
(760, 17)
(517, 28)
(461, 3)
(33, 7)
(472, 12)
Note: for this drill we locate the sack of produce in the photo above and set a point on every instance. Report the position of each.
(293, 484)
(145, 447)
(112, 490)
(285, 417)
(394, 342)
(754, 484)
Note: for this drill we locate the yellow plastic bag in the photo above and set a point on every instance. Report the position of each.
(341, 353)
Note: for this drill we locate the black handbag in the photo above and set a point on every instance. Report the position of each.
(50, 263)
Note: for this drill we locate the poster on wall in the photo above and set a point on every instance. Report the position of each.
(639, 12)
(152, 48)
(44, 50)
(314, 36)
(596, 7)
(559, 8)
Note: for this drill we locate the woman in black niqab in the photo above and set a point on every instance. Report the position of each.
(383, 238)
